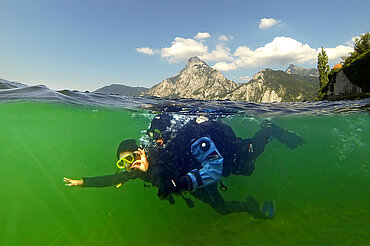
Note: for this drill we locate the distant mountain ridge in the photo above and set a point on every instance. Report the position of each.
(5, 84)
(199, 81)
(122, 90)
(276, 86)
(293, 69)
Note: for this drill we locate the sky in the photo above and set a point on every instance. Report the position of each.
(85, 45)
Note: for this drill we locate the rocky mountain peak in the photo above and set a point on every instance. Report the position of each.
(259, 75)
(197, 80)
(196, 63)
(290, 68)
(196, 60)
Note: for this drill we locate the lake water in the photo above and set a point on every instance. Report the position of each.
(322, 188)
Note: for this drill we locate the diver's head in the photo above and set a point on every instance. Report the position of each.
(158, 126)
(126, 153)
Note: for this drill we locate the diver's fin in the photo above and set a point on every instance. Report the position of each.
(268, 208)
(288, 138)
(265, 210)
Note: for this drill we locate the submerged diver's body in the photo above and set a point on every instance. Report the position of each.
(193, 159)
(238, 155)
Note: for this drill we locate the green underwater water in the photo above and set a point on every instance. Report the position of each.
(322, 188)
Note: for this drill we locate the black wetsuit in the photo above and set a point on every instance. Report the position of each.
(239, 154)
(174, 160)
(239, 158)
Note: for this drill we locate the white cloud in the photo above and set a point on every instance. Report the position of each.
(181, 49)
(281, 51)
(224, 66)
(146, 51)
(337, 52)
(223, 38)
(266, 23)
(202, 35)
(221, 53)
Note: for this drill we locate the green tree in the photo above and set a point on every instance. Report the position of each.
(362, 44)
(322, 65)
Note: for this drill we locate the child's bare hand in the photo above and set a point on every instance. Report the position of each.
(73, 182)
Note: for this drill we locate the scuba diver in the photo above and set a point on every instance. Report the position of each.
(191, 155)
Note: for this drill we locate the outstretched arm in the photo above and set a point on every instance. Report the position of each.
(101, 181)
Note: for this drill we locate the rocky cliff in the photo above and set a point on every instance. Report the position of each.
(276, 86)
(293, 69)
(197, 80)
(256, 90)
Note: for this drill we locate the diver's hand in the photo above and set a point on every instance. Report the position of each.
(167, 189)
(73, 182)
(141, 164)
(173, 186)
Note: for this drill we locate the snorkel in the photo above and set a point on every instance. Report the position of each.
(157, 130)
(156, 135)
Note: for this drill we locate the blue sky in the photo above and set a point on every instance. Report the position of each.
(85, 45)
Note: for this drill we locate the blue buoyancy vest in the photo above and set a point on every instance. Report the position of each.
(205, 151)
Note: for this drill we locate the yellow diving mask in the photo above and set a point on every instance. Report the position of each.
(126, 161)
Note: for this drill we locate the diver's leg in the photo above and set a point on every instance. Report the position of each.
(211, 196)
(265, 135)
(286, 137)
(250, 149)
(269, 130)
(259, 141)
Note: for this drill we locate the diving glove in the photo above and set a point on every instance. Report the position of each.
(174, 186)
